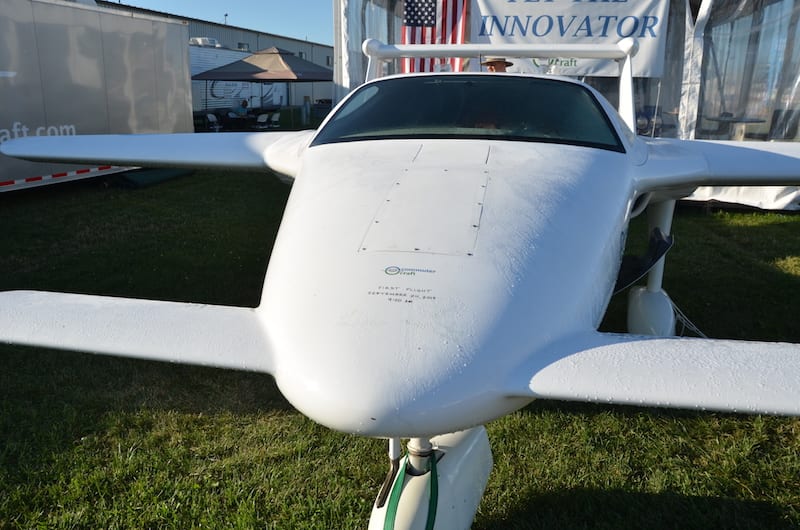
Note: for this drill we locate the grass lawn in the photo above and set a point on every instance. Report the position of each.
(97, 442)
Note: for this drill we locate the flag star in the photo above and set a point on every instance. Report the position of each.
(419, 13)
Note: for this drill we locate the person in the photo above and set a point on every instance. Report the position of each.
(496, 64)
(241, 110)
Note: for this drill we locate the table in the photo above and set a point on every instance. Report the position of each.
(736, 126)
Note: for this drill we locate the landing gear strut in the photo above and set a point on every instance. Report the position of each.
(650, 310)
(439, 481)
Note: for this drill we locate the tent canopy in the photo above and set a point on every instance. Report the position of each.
(269, 65)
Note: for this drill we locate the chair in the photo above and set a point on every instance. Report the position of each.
(784, 125)
(262, 122)
(275, 120)
(213, 123)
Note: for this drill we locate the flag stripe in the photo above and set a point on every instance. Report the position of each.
(449, 28)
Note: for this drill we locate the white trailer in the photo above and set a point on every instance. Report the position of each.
(69, 68)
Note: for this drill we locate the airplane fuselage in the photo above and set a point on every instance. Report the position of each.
(409, 273)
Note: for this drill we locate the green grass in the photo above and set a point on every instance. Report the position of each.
(97, 442)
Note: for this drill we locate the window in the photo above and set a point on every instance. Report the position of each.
(473, 106)
(750, 67)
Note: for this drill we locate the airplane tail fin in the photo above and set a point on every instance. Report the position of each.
(208, 335)
(688, 373)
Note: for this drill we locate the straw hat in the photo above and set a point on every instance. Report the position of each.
(490, 60)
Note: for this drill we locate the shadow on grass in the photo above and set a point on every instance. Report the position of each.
(187, 239)
(722, 273)
(584, 465)
(616, 509)
(113, 383)
(591, 410)
(50, 400)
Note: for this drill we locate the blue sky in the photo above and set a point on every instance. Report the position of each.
(302, 19)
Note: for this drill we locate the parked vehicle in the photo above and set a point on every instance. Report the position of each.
(69, 68)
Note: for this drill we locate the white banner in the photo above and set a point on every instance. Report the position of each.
(573, 22)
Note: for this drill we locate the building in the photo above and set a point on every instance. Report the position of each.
(215, 44)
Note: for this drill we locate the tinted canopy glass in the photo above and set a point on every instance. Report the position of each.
(473, 106)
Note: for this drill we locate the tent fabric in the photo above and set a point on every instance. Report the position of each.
(269, 65)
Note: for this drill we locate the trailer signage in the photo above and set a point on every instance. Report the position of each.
(20, 130)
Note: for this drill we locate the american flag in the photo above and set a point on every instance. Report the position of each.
(434, 22)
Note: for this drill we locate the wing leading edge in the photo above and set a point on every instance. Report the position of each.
(278, 151)
(681, 164)
(186, 333)
(706, 374)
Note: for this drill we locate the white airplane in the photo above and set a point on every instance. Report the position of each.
(449, 247)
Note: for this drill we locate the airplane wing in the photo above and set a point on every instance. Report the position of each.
(688, 373)
(278, 151)
(679, 164)
(207, 335)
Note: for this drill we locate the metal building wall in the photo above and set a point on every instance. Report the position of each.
(232, 37)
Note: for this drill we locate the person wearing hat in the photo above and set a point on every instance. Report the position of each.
(496, 64)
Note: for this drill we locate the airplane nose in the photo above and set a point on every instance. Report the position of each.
(373, 395)
(409, 390)
(413, 392)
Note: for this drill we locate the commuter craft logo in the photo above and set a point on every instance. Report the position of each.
(577, 22)
(393, 270)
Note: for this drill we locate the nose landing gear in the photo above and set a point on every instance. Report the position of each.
(438, 483)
